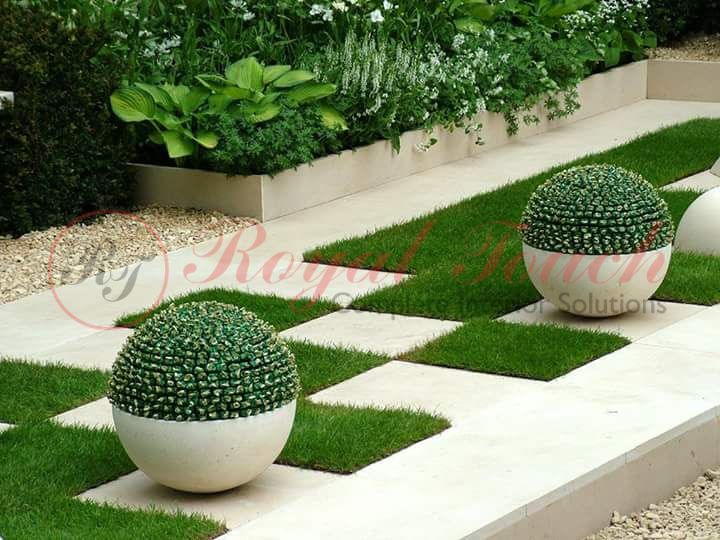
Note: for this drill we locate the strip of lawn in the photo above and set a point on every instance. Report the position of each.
(468, 265)
(34, 392)
(44, 466)
(279, 312)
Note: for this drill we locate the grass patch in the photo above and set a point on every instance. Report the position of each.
(280, 312)
(35, 392)
(491, 347)
(344, 439)
(44, 466)
(320, 367)
(467, 257)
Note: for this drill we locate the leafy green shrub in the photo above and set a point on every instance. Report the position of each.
(597, 210)
(675, 19)
(203, 361)
(294, 137)
(61, 153)
(184, 119)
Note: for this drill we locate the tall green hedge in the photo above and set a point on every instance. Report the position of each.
(676, 19)
(62, 152)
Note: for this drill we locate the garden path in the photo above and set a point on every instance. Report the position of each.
(515, 447)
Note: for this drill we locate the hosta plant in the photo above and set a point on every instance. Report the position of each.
(597, 210)
(203, 361)
(248, 90)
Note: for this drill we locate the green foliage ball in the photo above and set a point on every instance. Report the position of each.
(597, 210)
(203, 361)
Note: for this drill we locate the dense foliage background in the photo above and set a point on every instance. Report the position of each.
(61, 151)
(395, 65)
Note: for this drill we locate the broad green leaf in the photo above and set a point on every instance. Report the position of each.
(167, 120)
(612, 56)
(160, 96)
(270, 98)
(293, 78)
(193, 99)
(469, 24)
(270, 73)
(241, 93)
(332, 118)
(246, 73)
(311, 92)
(132, 105)
(206, 139)
(218, 103)
(263, 113)
(482, 11)
(177, 144)
(214, 82)
(177, 93)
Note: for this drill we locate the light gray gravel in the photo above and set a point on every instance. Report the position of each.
(696, 48)
(693, 513)
(112, 241)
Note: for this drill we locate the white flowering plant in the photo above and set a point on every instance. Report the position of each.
(397, 65)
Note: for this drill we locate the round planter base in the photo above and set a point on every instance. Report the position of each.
(205, 457)
(597, 285)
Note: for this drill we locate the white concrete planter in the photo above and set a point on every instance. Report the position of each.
(699, 228)
(597, 285)
(265, 198)
(205, 457)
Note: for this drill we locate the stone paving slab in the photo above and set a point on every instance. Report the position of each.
(96, 414)
(697, 333)
(656, 316)
(453, 393)
(291, 235)
(367, 331)
(277, 486)
(96, 351)
(494, 468)
(702, 181)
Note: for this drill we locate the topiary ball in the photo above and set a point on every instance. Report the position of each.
(597, 210)
(203, 361)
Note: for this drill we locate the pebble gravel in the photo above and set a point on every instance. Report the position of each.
(692, 513)
(109, 242)
(696, 48)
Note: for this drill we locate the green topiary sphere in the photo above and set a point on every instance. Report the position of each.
(203, 361)
(597, 210)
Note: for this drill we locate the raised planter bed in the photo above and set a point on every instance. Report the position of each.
(264, 197)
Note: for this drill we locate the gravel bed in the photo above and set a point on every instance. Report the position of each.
(695, 48)
(693, 513)
(111, 241)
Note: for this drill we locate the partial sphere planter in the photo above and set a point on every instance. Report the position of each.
(204, 396)
(597, 240)
(205, 457)
(699, 228)
(597, 285)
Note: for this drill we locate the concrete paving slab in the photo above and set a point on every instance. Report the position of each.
(96, 414)
(655, 316)
(367, 331)
(698, 182)
(277, 486)
(453, 393)
(697, 333)
(96, 351)
(516, 457)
